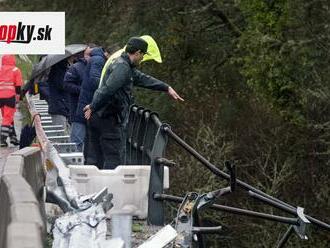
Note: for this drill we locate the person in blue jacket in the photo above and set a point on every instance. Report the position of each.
(98, 57)
(72, 83)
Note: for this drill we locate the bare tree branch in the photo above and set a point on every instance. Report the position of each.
(214, 10)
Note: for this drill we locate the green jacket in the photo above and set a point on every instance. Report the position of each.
(115, 95)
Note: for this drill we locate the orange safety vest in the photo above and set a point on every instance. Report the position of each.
(10, 77)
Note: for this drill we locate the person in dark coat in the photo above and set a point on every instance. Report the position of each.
(91, 80)
(108, 112)
(93, 69)
(58, 102)
(43, 89)
(43, 85)
(72, 84)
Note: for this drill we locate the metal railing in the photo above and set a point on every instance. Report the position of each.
(146, 144)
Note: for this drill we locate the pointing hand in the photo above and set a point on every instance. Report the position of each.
(174, 95)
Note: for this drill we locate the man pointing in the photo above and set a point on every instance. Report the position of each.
(108, 112)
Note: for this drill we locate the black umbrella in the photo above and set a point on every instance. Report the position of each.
(49, 60)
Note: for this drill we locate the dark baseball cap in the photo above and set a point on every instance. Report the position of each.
(139, 44)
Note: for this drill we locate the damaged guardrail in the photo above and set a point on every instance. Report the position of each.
(147, 139)
(84, 221)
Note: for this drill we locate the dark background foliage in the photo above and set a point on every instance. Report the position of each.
(255, 77)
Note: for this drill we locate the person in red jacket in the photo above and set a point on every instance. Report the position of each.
(10, 85)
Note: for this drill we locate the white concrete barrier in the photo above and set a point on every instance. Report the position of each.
(128, 184)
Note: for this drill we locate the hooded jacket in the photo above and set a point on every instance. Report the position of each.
(72, 83)
(115, 94)
(10, 77)
(90, 82)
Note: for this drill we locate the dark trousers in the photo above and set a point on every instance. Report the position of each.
(106, 142)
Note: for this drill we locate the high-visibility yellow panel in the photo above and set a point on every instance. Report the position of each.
(153, 54)
(153, 50)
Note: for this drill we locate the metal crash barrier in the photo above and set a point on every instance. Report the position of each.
(146, 143)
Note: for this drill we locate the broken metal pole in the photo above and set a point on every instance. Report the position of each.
(287, 209)
(285, 220)
(281, 205)
(285, 237)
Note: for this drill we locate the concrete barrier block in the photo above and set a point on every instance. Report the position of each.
(27, 235)
(26, 151)
(129, 185)
(15, 193)
(27, 213)
(18, 189)
(4, 213)
(34, 171)
(14, 165)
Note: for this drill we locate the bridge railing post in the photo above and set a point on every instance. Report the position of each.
(156, 183)
(130, 134)
(146, 143)
(143, 156)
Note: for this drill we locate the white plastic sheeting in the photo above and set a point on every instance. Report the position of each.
(81, 229)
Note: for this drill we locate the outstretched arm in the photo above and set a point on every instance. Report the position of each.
(146, 81)
(143, 80)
